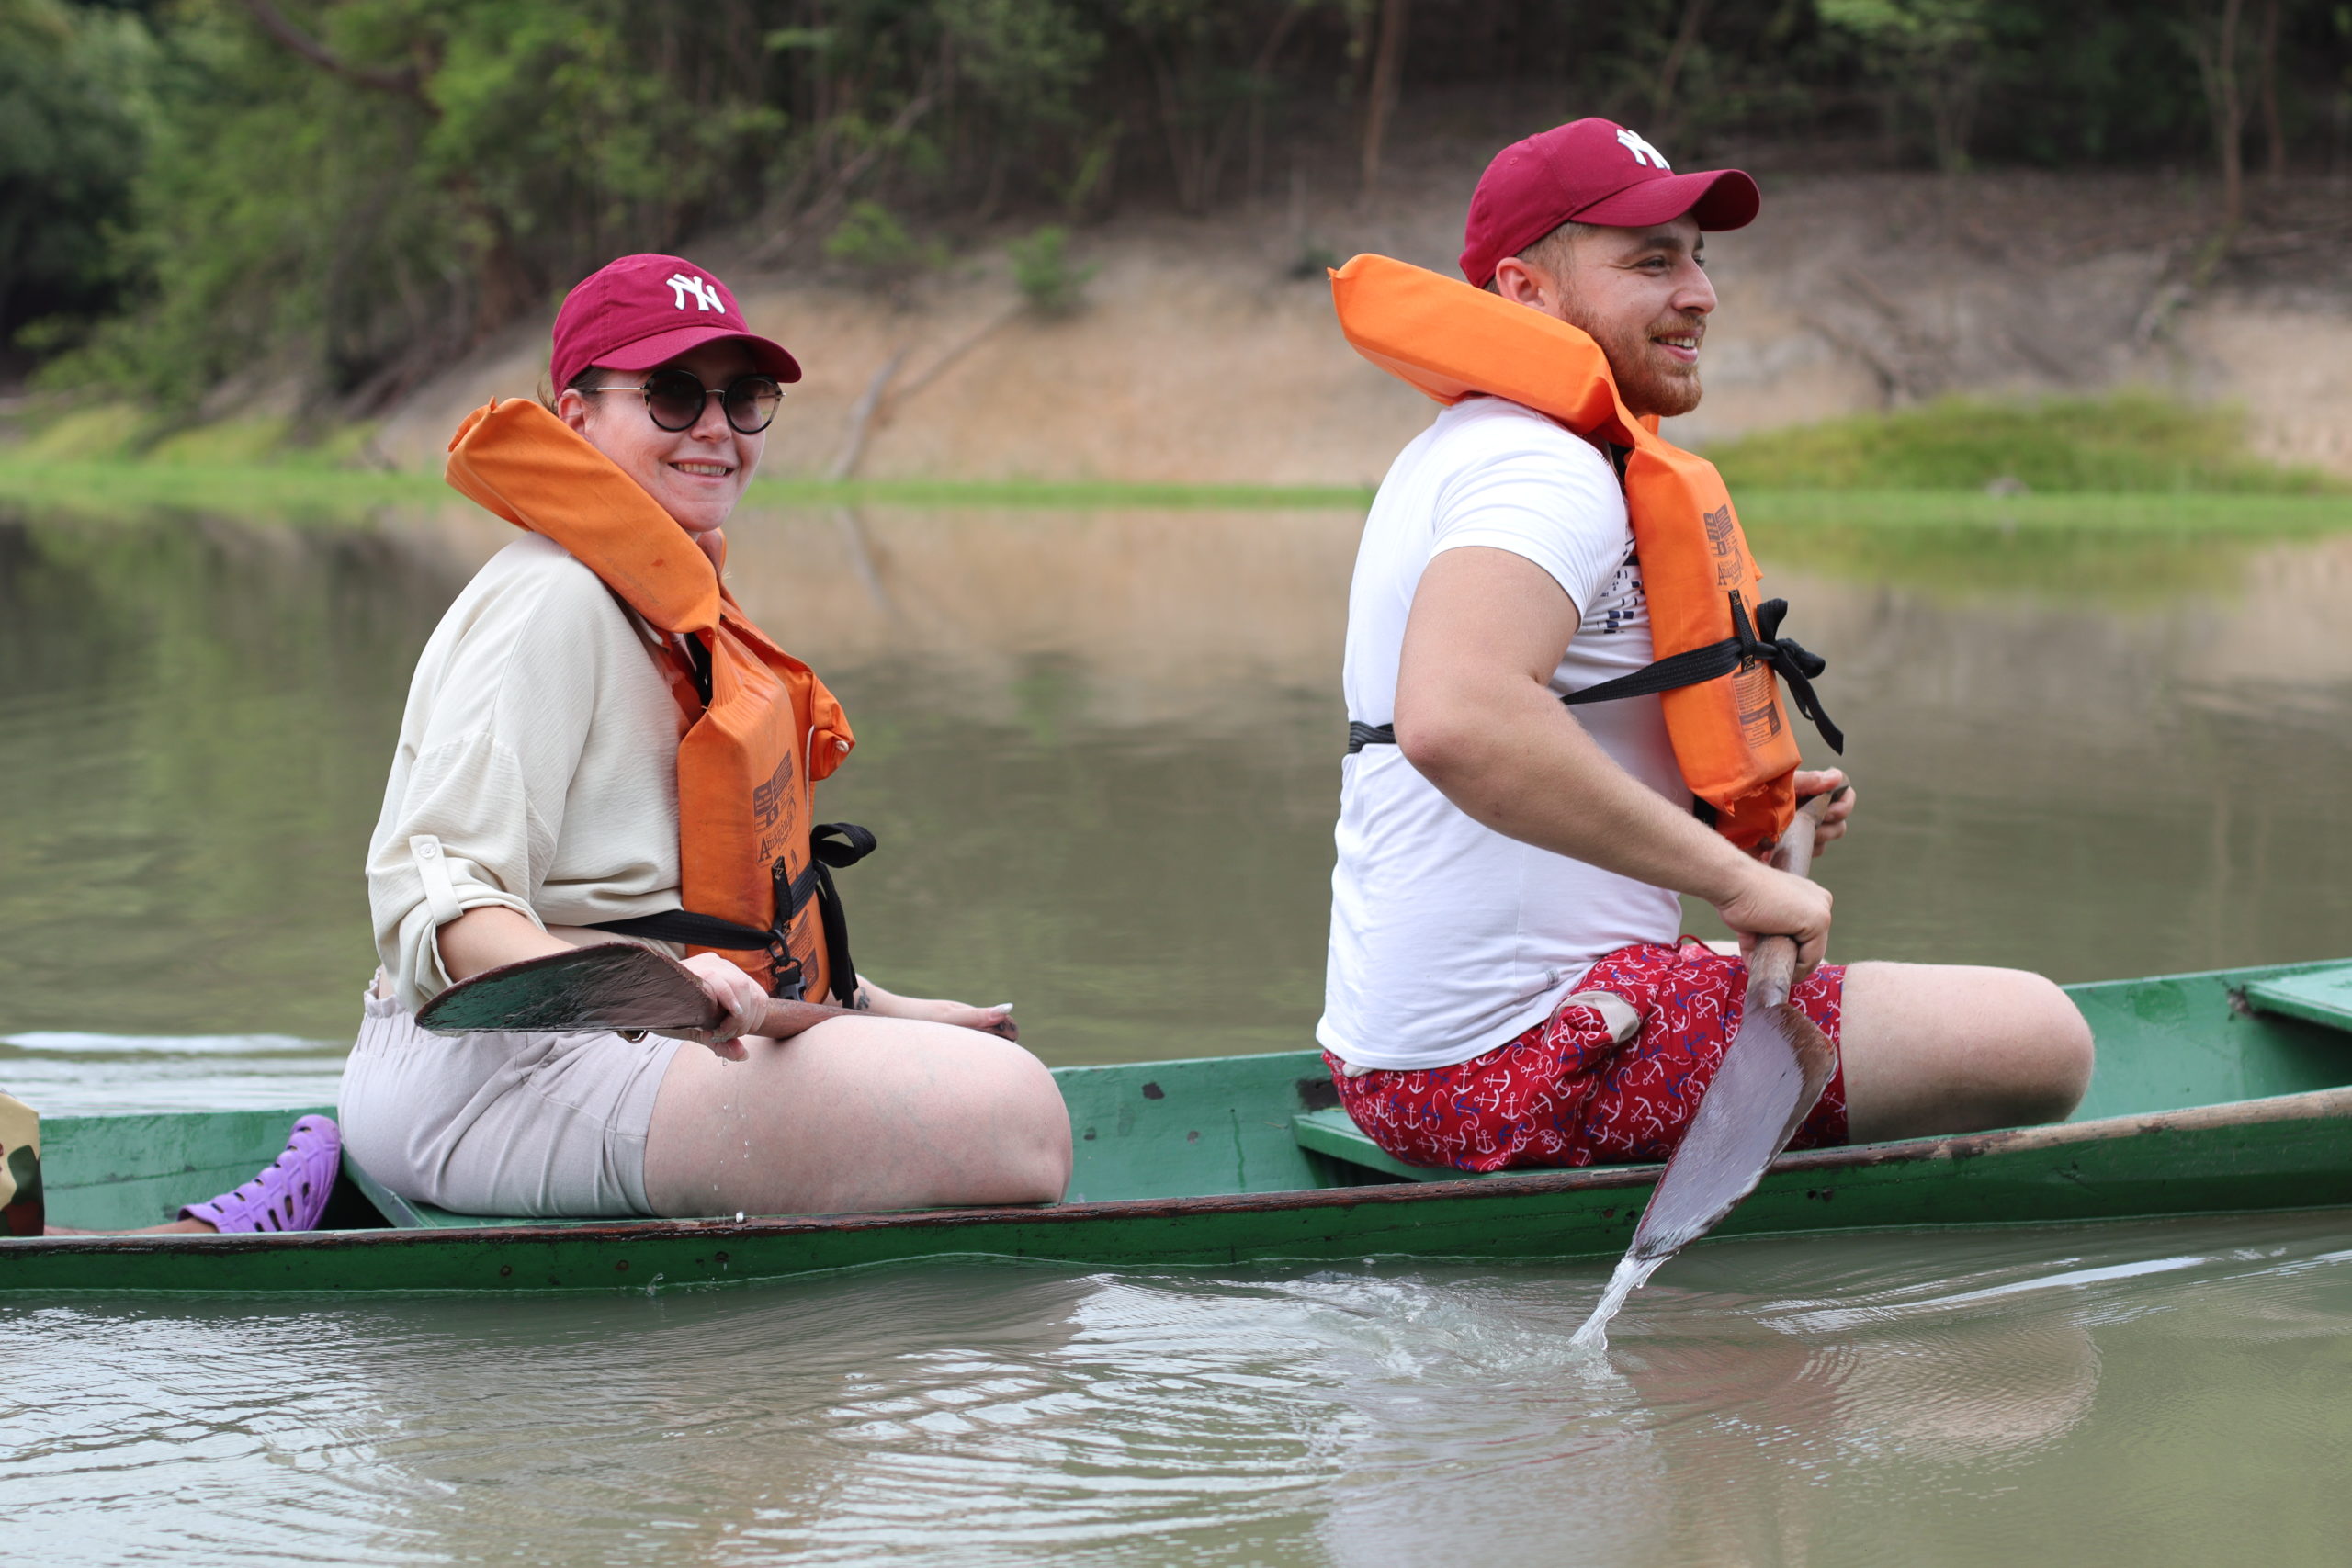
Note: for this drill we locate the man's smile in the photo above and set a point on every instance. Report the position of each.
(704, 471)
(1682, 346)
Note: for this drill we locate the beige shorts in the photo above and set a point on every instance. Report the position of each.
(542, 1125)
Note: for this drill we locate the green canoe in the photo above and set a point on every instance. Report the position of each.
(2215, 1093)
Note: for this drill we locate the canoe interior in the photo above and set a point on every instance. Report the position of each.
(1246, 1124)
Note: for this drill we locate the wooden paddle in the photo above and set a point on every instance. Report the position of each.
(615, 985)
(1772, 1072)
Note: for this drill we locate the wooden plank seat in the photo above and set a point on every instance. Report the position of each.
(1334, 1135)
(2315, 995)
(403, 1214)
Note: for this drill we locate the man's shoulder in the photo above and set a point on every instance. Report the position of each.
(1483, 430)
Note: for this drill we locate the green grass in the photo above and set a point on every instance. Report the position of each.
(1777, 513)
(1053, 494)
(112, 487)
(96, 485)
(2132, 443)
(2108, 549)
(2125, 494)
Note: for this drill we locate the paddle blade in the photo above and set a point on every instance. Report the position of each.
(612, 986)
(1772, 1073)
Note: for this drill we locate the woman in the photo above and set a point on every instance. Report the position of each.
(588, 683)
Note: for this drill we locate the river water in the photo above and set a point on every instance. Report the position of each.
(1100, 752)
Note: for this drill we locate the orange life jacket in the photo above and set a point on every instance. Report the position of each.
(1717, 646)
(759, 727)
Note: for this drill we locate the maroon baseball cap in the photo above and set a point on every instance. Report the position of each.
(1591, 171)
(633, 313)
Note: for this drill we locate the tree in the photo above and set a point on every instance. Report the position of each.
(1934, 48)
(73, 116)
(2214, 41)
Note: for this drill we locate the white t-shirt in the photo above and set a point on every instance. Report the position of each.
(1447, 937)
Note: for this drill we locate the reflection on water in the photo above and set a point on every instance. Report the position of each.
(1102, 753)
(1990, 1398)
(1103, 756)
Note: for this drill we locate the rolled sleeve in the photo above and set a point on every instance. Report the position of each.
(464, 835)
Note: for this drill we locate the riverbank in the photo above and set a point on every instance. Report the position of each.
(1202, 353)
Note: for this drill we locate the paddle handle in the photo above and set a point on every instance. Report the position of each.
(1772, 962)
(781, 1020)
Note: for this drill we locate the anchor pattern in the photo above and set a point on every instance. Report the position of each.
(1567, 1093)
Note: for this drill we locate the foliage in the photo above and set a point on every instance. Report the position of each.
(343, 194)
(1043, 271)
(1933, 48)
(871, 240)
(360, 231)
(2136, 442)
(73, 124)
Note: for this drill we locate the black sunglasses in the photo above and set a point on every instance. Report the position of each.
(674, 400)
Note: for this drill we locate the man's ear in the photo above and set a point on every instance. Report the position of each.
(1522, 284)
(1517, 282)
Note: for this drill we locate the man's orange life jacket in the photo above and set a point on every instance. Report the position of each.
(759, 730)
(1717, 646)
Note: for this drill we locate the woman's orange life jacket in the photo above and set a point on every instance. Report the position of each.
(1715, 643)
(759, 730)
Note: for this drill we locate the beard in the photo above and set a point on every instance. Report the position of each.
(1647, 379)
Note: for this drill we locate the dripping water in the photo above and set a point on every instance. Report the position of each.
(1632, 1272)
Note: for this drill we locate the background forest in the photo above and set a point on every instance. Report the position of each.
(347, 192)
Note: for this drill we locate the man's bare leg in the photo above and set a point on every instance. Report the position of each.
(1947, 1048)
(178, 1227)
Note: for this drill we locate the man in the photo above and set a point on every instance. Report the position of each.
(1505, 984)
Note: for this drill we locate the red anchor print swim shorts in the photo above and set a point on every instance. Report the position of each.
(1569, 1091)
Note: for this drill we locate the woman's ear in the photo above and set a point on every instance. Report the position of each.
(572, 406)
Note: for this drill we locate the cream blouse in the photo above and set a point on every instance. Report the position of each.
(536, 767)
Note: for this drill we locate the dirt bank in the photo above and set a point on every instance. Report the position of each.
(1206, 352)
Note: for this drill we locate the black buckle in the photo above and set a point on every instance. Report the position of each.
(790, 983)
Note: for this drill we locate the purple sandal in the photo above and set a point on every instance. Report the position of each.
(288, 1196)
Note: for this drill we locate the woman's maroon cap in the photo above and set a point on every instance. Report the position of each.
(633, 313)
(1591, 171)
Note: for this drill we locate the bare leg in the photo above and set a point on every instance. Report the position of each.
(178, 1227)
(857, 1114)
(1937, 1048)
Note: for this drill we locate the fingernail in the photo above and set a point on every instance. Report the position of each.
(1001, 1007)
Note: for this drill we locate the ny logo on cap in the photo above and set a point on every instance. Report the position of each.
(705, 294)
(1632, 141)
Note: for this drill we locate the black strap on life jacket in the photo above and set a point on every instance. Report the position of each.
(1691, 667)
(830, 845)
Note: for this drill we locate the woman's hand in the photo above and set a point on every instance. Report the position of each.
(1812, 781)
(997, 1019)
(738, 994)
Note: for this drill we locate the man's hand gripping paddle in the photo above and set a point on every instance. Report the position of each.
(1772, 1072)
(614, 985)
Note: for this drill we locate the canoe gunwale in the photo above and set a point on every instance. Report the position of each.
(2314, 1105)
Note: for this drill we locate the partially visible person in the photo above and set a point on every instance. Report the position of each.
(600, 746)
(1534, 783)
(289, 1194)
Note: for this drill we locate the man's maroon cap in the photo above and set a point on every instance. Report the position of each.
(633, 313)
(1591, 171)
